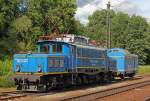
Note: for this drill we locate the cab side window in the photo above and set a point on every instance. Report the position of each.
(57, 48)
(37, 49)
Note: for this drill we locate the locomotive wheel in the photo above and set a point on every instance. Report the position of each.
(121, 76)
(101, 78)
(111, 76)
(97, 77)
(19, 87)
(67, 82)
(131, 75)
(79, 81)
(107, 78)
(85, 79)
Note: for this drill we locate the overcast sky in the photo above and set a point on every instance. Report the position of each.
(87, 7)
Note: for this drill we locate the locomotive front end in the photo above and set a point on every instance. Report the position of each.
(46, 68)
(28, 69)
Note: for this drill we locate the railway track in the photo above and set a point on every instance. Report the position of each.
(107, 92)
(6, 96)
(12, 95)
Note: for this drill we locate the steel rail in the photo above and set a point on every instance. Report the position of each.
(6, 96)
(108, 92)
(11, 95)
(147, 99)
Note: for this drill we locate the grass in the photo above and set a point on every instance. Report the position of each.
(144, 70)
(6, 73)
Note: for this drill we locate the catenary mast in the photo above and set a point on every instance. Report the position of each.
(108, 40)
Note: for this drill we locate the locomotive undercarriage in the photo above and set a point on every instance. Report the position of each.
(58, 81)
(47, 82)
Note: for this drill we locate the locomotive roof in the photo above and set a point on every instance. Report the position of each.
(120, 50)
(90, 47)
(76, 40)
(75, 44)
(71, 38)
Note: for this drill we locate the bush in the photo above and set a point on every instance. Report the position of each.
(144, 70)
(6, 72)
(5, 82)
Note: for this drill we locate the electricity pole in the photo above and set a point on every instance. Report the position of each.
(108, 26)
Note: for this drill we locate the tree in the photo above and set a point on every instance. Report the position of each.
(119, 27)
(97, 26)
(23, 21)
(136, 40)
(9, 11)
(58, 16)
(147, 33)
(21, 27)
(128, 32)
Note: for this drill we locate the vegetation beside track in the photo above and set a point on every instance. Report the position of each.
(6, 73)
(144, 70)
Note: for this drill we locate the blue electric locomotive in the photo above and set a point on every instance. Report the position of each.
(68, 60)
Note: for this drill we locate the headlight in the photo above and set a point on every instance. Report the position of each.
(17, 68)
(39, 68)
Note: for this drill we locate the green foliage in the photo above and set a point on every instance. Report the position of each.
(128, 32)
(23, 21)
(97, 25)
(80, 29)
(6, 83)
(7, 46)
(144, 70)
(6, 73)
(22, 25)
(9, 11)
(58, 16)
(119, 27)
(5, 66)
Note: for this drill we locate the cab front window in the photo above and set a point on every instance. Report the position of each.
(44, 48)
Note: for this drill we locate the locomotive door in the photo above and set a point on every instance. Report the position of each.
(31, 62)
(72, 58)
(73, 63)
(120, 64)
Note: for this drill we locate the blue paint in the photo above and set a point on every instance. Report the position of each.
(125, 62)
(74, 56)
